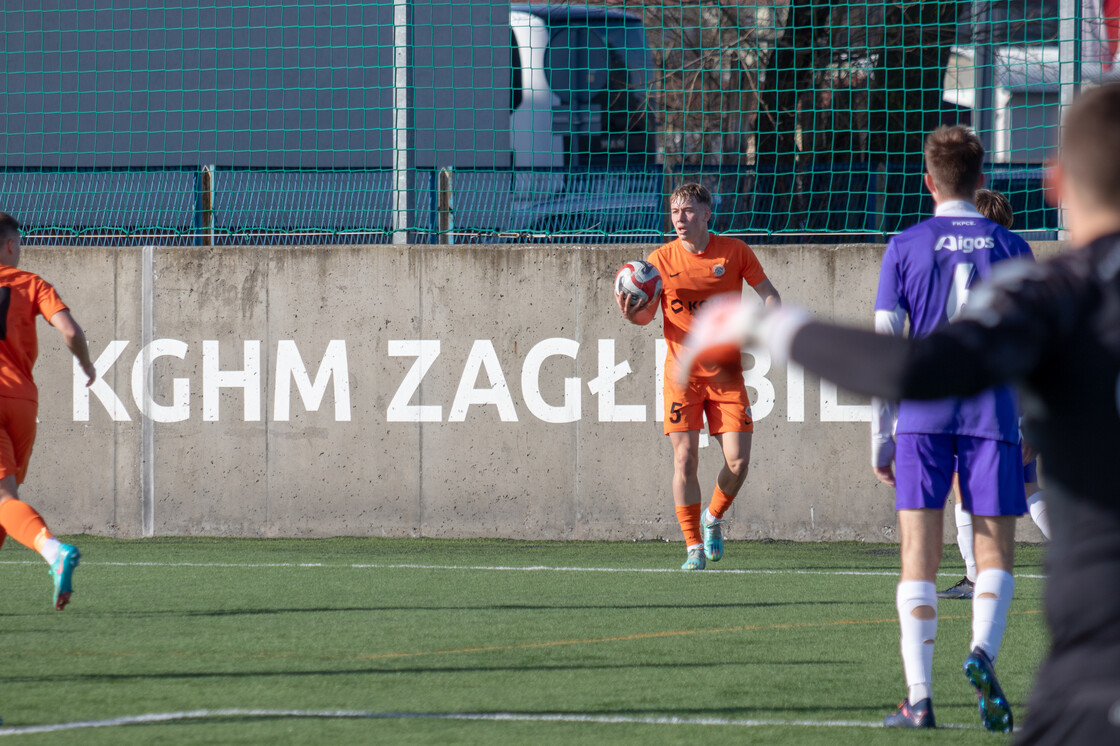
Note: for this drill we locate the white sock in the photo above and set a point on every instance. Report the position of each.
(709, 519)
(917, 635)
(690, 547)
(1037, 507)
(964, 540)
(990, 601)
(50, 549)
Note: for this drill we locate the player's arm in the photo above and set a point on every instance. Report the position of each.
(75, 340)
(1005, 329)
(1000, 338)
(884, 412)
(768, 293)
(949, 362)
(755, 276)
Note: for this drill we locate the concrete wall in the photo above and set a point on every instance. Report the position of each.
(432, 391)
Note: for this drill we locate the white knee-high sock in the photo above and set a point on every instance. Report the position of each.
(1037, 506)
(917, 635)
(990, 601)
(964, 540)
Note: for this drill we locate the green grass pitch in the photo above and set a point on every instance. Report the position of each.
(378, 640)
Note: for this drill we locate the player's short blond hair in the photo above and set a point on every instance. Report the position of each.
(995, 207)
(1090, 149)
(954, 160)
(698, 193)
(9, 227)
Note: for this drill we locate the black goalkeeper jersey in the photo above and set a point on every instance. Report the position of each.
(1054, 329)
(1065, 317)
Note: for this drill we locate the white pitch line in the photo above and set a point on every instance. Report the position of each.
(163, 717)
(499, 568)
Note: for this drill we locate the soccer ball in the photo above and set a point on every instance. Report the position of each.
(640, 279)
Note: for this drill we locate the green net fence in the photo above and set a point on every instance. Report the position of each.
(320, 121)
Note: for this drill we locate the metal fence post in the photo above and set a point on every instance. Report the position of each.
(1069, 70)
(204, 206)
(445, 205)
(983, 97)
(404, 178)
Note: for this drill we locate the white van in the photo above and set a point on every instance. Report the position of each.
(580, 88)
(580, 119)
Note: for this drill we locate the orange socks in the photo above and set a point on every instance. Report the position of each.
(689, 518)
(23, 524)
(689, 515)
(721, 501)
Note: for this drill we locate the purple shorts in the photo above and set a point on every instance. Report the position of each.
(991, 473)
(1030, 471)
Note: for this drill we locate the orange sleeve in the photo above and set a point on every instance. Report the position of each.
(752, 268)
(47, 300)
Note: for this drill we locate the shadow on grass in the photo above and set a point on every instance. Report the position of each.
(102, 678)
(219, 613)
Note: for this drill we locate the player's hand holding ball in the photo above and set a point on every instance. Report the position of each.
(637, 289)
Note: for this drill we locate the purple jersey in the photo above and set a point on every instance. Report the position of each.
(926, 274)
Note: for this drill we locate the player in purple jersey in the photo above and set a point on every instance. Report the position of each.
(994, 206)
(926, 275)
(1054, 328)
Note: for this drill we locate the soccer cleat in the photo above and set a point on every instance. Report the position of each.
(995, 712)
(917, 715)
(62, 571)
(962, 590)
(713, 539)
(695, 559)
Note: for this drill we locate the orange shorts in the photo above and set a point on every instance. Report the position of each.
(725, 403)
(17, 436)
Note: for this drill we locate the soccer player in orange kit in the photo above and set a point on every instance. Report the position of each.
(696, 267)
(23, 297)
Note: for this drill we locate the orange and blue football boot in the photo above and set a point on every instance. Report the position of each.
(712, 534)
(695, 560)
(62, 572)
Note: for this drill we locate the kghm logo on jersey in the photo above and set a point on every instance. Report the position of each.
(964, 244)
(692, 306)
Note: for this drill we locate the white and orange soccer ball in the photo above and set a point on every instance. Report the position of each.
(640, 279)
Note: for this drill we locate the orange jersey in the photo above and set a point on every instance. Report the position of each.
(688, 280)
(23, 297)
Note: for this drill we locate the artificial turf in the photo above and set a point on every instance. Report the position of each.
(398, 633)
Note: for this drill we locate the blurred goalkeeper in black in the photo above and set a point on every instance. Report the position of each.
(1054, 329)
